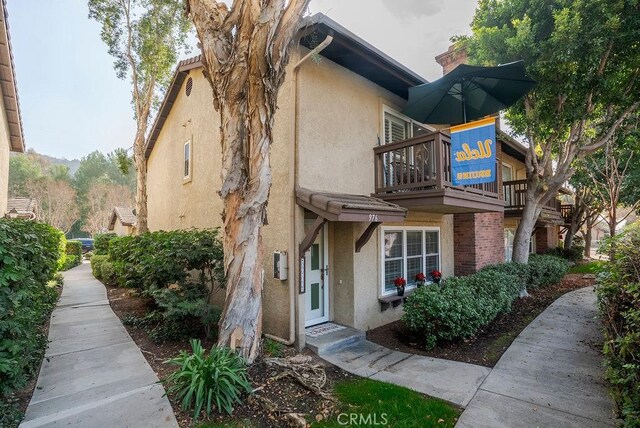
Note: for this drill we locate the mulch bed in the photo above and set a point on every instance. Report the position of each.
(284, 395)
(487, 347)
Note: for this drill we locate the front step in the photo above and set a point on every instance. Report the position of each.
(334, 341)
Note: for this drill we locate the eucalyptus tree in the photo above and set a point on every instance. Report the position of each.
(585, 56)
(145, 37)
(245, 49)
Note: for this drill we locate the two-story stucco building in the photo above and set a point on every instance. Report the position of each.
(11, 136)
(361, 194)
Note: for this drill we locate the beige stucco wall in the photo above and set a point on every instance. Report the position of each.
(4, 161)
(174, 203)
(122, 230)
(519, 170)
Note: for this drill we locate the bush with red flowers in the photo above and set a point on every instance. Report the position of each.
(436, 276)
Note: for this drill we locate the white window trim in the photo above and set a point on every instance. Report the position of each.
(394, 112)
(510, 167)
(187, 178)
(404, 229)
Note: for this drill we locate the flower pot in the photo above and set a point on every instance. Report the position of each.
(436, 280)
(400, 291)
(419, 284)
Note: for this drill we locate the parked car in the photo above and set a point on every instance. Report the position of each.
(87, 244)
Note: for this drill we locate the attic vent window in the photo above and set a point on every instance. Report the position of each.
(189, 86)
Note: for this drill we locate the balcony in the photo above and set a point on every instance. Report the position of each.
(416, 174)
(515, 194)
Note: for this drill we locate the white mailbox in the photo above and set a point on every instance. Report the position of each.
(280, 266)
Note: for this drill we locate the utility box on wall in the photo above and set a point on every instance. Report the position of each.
(280, 266)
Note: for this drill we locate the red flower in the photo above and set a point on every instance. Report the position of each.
(421, 277)
(436, 274)
(400, 282)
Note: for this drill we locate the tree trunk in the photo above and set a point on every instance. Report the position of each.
(141, 183)
(522, 239)
(587, 240)
(245, 51)
(613, 222)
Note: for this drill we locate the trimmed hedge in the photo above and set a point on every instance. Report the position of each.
(30, 255)
(101, 243)
(574, 254)
(460, 306)
(72, 256)
(619, 303)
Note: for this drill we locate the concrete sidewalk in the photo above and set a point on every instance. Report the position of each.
(449, 380)
(552, 374)
(93, 374)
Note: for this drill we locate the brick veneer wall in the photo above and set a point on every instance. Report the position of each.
(546, 238)
(478, 240)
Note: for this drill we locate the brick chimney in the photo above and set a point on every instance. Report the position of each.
(454, 56)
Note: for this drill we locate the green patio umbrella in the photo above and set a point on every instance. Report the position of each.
(467, 93)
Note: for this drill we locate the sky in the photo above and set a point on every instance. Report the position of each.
(72, 103)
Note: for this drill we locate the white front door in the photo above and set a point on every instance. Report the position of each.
(317, 281)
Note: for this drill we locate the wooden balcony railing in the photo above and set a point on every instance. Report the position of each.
(515, 195)
(566, 211)
(420, 164)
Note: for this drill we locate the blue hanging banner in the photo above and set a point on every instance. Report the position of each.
(473, 152)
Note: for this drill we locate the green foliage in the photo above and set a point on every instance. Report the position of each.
(574, 254)
(545, 270)
(101, 243)
(97, 261)
(180, 270)
(23, 169)
(273, 349)
(29, 257)
(71, 261)
(461, 306)
(619, 303)
(563, 43)
(160, 259)
(402, 407)
(206, 382)
(74, 248)
(591, 267)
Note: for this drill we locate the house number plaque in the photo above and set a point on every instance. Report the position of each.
(303, 287)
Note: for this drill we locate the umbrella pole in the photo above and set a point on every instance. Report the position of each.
(464, 104)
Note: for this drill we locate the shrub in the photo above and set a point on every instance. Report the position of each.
(461, 306)
(97, 262)
(574, 254)
(203, 382)
(273, 349)
(70, 261)
(29, 257)
(619, 303)
(74, 248)
(101, 243)
(545, 270)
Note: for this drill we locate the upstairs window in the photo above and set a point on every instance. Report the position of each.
(187, 161)
(398, 127)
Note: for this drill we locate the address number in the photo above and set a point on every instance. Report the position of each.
(373, 217)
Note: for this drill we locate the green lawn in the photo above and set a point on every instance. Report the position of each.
(366, 402)
(591, 267)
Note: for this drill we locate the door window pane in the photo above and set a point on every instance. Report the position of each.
(315, 257)
(315, 296)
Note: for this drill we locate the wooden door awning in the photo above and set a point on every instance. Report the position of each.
(347, 207)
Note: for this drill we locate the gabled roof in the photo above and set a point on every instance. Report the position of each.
(8, 84)
(346, 49)
(511, 146)
(126, 216)
(25, 207)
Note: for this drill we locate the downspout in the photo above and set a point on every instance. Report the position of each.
(293, 178)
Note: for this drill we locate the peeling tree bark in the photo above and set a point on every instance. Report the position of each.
(245, 50)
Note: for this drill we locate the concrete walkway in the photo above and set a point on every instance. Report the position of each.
(449, 380)
(93, 374)
(551, 376)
